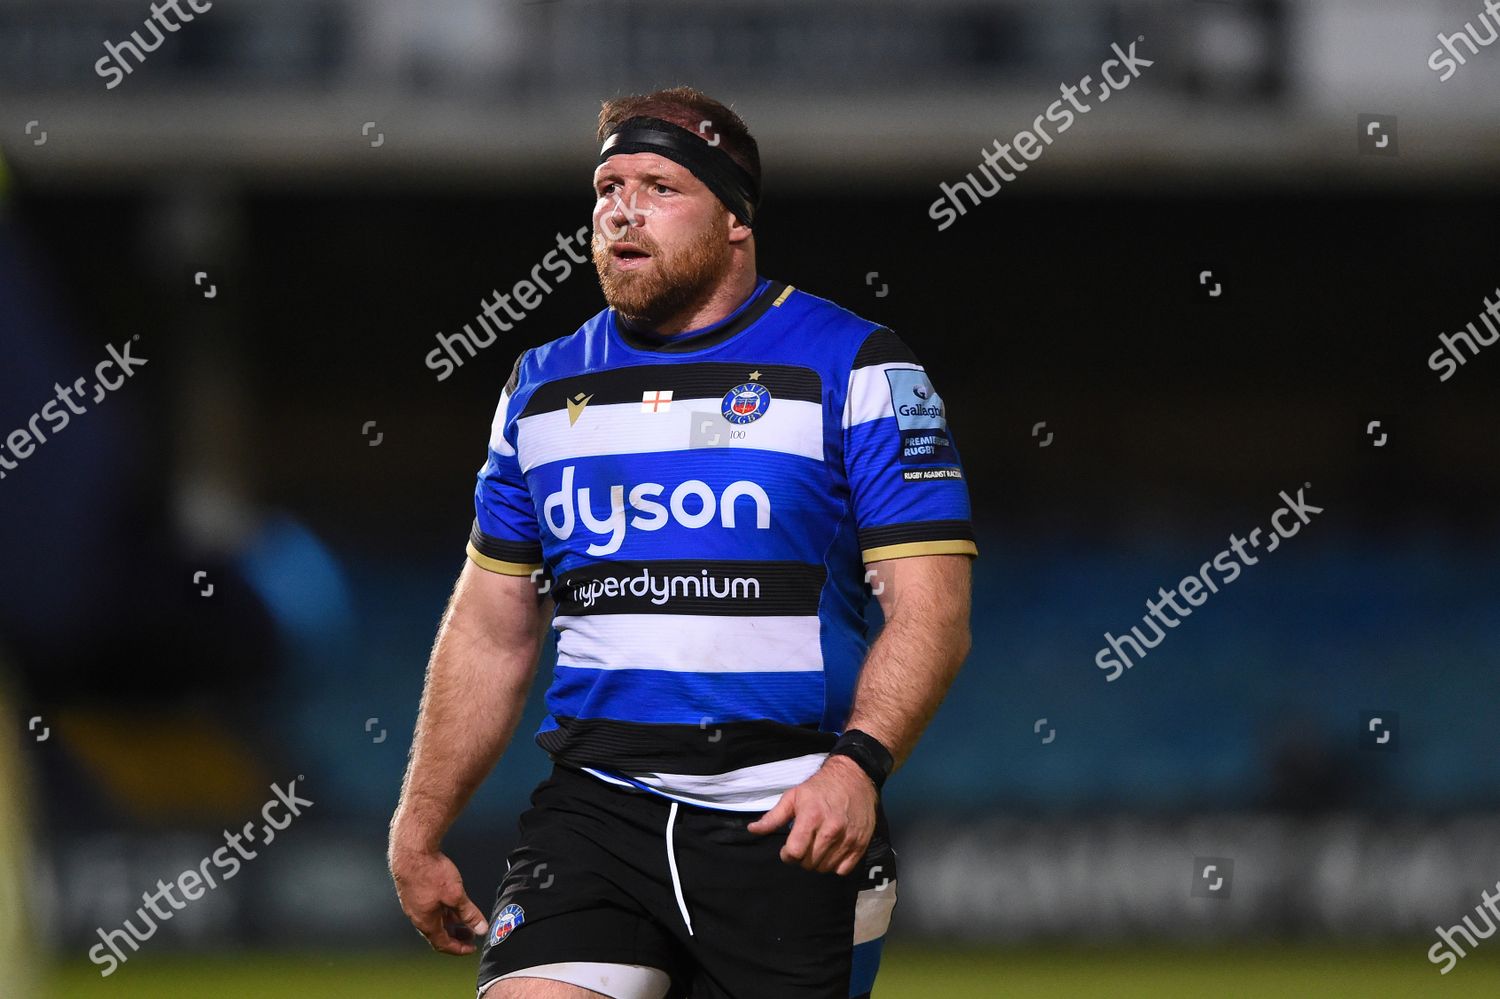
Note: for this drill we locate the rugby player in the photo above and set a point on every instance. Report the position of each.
(697, 491)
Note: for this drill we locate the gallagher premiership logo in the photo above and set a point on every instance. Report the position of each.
(746, 403)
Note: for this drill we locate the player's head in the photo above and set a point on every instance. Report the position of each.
(676, 190)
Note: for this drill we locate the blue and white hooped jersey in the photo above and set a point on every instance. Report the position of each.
(703, 506)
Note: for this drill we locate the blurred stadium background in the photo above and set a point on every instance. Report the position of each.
(288, 447)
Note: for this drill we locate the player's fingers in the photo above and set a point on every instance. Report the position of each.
(852, 852)
(856, 841)
(827, 847)
(794, 850)
(815, 831)
(439, 925)
(445, 943)
(470, 915)
(429, 923)
(452, 934)
(459, 933)
(779, 815)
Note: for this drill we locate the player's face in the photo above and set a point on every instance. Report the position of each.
(661, 238)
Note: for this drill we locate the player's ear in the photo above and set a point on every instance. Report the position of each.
(738, 231)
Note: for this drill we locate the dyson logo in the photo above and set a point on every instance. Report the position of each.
(563, 511)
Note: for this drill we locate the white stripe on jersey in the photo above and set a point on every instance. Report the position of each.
(498, 443)
(699, 643)
(749, 789)
(869, 395)
(791, 426)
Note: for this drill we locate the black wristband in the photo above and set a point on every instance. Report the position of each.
(866, 751)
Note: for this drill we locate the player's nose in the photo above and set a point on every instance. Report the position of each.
(613, 220)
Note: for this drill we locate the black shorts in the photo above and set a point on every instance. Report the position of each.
(591, 880)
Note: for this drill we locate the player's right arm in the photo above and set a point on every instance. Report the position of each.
(477, 680)
(480, 671)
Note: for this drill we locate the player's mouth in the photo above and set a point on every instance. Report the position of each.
(628, 256)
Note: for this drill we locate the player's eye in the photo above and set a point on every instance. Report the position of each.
(663, 189)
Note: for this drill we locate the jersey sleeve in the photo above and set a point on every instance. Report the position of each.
(505, 536)
(905, 479)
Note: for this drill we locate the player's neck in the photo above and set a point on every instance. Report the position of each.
(728, 295)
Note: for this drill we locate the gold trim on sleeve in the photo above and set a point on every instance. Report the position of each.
(910, 548)
(496, 565)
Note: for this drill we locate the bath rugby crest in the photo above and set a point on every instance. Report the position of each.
(703, 529)
(745, 403)
(506, 922)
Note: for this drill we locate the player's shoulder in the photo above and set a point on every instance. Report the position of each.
(560, 357)
(852, 340)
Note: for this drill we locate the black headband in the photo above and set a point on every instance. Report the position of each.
(730, 182)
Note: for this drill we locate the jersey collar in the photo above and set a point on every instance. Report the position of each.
(765, 294)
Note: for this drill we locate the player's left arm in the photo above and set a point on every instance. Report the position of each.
(911, 508)
(925, 600)
(908, 671)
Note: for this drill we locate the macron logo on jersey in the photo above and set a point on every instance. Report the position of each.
(563, 512)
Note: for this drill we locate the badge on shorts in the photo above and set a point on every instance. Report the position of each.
(506, 922)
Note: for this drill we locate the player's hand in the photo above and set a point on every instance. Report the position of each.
(834, 811)
(432, 896)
